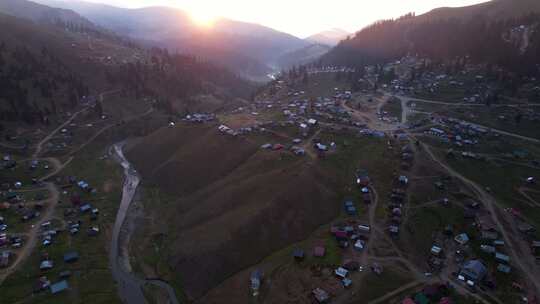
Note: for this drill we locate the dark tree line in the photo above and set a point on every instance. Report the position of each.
(169, 77)
(480, 40)
(32, 84)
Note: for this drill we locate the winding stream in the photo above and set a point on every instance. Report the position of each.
(129, 285)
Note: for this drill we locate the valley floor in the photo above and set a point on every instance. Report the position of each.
(266, 208)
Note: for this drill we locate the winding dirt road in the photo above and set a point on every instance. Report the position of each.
(39, 146)
(33, 234)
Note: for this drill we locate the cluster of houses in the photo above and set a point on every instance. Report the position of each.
(458, 132)
(489, 254)
(330, 69)
(228, 131)
(351, 234)
(9, 163)
(14, 202)
(412, 77)
(43, 284)
(306, 113)
(200, 117)
(294, 148)
(372, 133)
(398, 196)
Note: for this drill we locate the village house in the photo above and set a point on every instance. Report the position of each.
(319, 251)
(59, 287)
(473, 270)
(256, 281)
(4, 259)
(320, 295)
(41, 284)
(504, 268)
(341, 272)
(436, 250)
(502, 258)
(46, 265)
(71, 257)
(462, 239)
(298, 255)
(350, 209)
(485, 223)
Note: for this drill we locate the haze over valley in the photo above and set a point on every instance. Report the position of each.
(157, 151)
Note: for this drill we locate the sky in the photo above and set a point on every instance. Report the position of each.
(298, 17)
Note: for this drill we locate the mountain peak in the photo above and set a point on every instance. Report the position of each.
(329, 37)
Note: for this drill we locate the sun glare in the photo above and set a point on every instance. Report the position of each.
(203, 18)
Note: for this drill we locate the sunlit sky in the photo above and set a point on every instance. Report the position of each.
(298, 17)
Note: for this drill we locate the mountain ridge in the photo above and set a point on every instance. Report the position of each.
(176, 31)
(448, 33)
(329, 37)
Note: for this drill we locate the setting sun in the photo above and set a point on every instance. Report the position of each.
(203, 18)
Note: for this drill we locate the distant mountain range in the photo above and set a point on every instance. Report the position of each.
(249, 49)
(329, 37)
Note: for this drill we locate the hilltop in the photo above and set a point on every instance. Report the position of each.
(492, 10)
(510, 27)
(329, 37)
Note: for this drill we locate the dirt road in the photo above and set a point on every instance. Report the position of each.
(39, 146)
(33, 234)
(104, 129)
(369, 116)
(463, 104)
(406, 111)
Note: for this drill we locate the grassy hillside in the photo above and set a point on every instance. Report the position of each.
(223, 193)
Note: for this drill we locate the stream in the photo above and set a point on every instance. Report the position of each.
(129, 285)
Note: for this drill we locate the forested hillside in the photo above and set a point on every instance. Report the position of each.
(516, 41)
(249, 49)
(47, 68)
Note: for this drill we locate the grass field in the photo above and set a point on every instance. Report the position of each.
(252, 200)
(379, 285)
